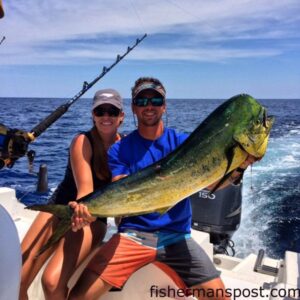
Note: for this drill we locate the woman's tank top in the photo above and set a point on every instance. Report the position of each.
(67, 190)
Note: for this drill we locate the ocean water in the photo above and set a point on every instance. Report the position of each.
(271, 193)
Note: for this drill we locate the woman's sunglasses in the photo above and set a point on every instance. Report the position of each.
(142, 102)
(111, 111)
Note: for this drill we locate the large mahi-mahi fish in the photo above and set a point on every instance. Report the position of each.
(220, 144)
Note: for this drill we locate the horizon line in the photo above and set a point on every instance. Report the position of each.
(129, 98)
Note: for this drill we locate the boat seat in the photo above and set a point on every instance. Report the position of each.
(291, 270)
(248, 263)
(10, 258)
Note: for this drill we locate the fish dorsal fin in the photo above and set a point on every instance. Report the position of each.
(59, 210)
(63, 226)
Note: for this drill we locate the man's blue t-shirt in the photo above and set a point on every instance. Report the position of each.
(134, 153)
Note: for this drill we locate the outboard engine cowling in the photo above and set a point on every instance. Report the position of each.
(219, 214)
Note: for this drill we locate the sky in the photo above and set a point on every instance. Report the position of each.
(197, 48)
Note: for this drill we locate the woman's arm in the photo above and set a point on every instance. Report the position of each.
(80, 156)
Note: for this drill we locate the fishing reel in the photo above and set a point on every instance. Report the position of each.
(13, 145)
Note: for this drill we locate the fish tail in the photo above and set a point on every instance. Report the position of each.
(64, 213)
(62, 227)
(60, 211)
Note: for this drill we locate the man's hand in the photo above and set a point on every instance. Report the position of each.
(81, 216)
(237, 174)
(249, 161)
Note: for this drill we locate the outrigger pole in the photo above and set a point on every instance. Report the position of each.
(16, 141)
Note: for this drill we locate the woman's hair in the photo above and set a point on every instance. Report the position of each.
(99, 157)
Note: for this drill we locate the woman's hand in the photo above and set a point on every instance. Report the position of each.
(81, 216)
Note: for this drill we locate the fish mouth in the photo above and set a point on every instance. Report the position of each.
(267, 121)
(254, 139)
(263, 136)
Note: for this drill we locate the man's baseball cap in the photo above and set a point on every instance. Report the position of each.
(149, 86)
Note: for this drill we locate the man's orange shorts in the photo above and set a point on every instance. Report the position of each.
(126, 252)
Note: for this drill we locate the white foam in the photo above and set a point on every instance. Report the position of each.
(289, 158)
(281, 161)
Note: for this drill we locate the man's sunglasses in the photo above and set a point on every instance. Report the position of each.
(111, 111)
(142, 102)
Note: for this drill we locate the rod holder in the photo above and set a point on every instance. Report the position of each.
(42, 185)
(259, 267)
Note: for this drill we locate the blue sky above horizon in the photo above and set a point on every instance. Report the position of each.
(197, 48)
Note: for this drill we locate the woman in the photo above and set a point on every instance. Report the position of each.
(87, 170)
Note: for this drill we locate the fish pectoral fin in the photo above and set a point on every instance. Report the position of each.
(229, 155)
(63, 213)
(63, 226)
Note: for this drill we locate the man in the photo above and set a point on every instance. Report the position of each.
(1, 10)
(150, 237)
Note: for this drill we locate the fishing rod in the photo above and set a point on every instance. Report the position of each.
(43, 125)
(15, 142)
